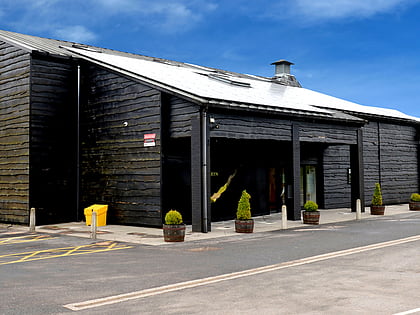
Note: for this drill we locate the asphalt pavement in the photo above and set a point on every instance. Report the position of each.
(341, 266)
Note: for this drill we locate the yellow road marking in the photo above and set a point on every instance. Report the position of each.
(24, 239)
(60, 252)
(72, 251)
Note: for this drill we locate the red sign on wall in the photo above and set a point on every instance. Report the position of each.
(150, 140)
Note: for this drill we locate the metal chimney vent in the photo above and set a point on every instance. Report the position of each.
(282, 73)
(282, 67)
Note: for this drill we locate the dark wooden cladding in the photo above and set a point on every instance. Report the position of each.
(14, 134)
(326, 133)
(337, 189)
(181, 112)
(398, 160)
(237, 126)
(53, 139)
(391, 159)
(117, 169)
(371, 158)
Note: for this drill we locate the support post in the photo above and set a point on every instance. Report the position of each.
(283, 217)
(93, 226)
(32, 220)
(357, 172)
(294, 213)
(196, 175)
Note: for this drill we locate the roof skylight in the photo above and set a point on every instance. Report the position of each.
(228, 79)
(85, 47)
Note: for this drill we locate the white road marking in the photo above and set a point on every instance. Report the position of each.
(416, 310)
(230, 276)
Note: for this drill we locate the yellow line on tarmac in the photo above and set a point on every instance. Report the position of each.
(70, 252)
(230, 276)
(24, 239)
(63, 252)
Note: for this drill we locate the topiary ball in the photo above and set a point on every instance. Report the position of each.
(173, 217)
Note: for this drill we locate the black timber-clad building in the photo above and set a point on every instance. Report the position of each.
(81, 125)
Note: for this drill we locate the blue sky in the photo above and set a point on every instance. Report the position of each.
(365, 51)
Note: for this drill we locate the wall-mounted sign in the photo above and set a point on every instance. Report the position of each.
(150, 140)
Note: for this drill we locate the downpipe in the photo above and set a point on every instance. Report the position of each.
(204, 166)
(78, 146)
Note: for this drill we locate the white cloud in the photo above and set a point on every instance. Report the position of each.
(166, 15)
(326, 9)
(76, 33)
(59, 17)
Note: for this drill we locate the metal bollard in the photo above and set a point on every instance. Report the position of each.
(284, 217)
(93, 226)
(358, 210)
(32, 222)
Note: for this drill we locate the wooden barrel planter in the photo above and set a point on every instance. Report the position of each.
(414, 205)
(377, 210)
(311, 217)
(174, 232)
(244, 226)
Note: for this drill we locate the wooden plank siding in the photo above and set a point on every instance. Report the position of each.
(327, 133)
(116, 167)
(391, 158)
(253, 127)
(53, 139)
(14, 134)
(371, 158)
(181, 112)
(337, 190)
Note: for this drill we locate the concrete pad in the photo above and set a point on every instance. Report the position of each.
(154, 236)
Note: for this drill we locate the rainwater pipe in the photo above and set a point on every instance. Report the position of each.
(204, 167)
(78, 145)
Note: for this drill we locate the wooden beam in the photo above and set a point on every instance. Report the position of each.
(294, 213)
(357, 172)
(196, 175)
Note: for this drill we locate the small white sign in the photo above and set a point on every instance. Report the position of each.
(150, 140)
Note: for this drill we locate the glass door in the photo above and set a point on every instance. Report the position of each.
(307, 184)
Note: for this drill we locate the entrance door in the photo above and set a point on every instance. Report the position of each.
(277, 188)
(307, 184)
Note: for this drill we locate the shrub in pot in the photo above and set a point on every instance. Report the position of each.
(377, 207)
(414, 202)
(174, 228)
(243, 222)
(310, 214)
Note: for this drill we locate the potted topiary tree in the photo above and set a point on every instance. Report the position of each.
(414, 202)
(310, 214)
(174, 228)
(243, 222)
(377, 207)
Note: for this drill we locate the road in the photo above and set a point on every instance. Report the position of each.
(357, 267)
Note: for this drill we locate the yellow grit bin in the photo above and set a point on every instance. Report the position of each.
(100, 210)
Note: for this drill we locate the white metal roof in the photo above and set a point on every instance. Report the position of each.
(208, 83)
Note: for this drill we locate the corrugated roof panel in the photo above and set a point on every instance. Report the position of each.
(205, 83)
(193, 81)
(252, 91)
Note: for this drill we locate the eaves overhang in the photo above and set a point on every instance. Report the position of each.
(331, 117)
